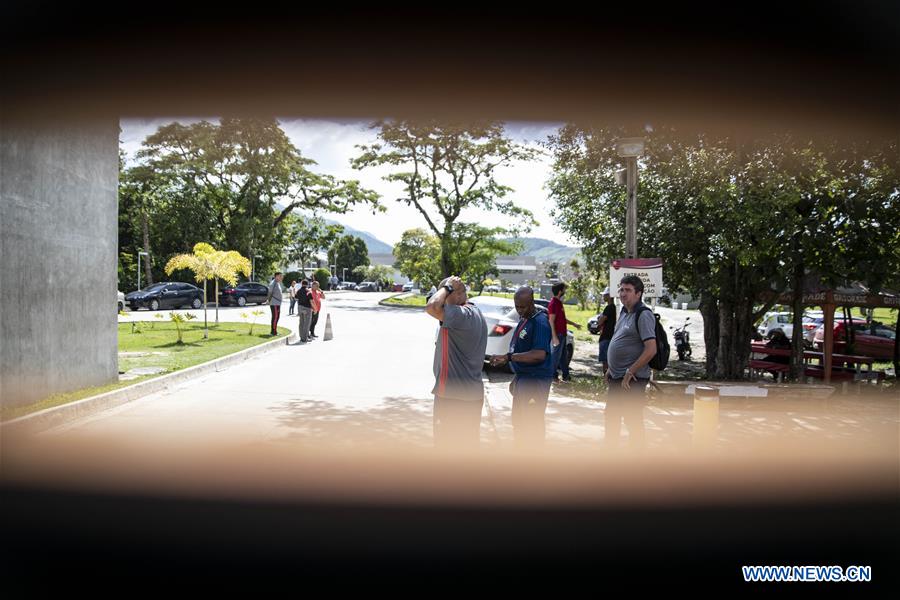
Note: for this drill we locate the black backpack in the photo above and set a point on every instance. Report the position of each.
(661, 359)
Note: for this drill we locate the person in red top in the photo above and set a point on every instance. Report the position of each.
(559, 331)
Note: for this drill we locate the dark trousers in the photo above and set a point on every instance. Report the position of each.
(628, 406)
(293, 302)
(457, 423)
(276, 313)
(312, 323)
(528, 409)
(558, 356)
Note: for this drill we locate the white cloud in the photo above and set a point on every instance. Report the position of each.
(332, 144)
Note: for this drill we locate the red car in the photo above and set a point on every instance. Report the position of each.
(870, 339)
(397, 287)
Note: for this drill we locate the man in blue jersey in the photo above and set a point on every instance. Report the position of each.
(530, 359)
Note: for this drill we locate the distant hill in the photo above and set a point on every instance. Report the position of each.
(547, 251)
(373, 244)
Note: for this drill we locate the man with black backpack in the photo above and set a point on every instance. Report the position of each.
(630, 351)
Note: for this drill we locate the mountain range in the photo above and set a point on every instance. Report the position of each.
(541, 249)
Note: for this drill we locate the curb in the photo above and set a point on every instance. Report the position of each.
(384, 301)
(60, 415)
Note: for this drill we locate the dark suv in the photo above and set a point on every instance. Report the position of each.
(168, 294)
(245, 293)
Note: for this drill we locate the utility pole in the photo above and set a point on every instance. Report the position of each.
(630, 149)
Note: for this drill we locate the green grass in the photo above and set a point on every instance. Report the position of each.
(408, 301)
(160, 342)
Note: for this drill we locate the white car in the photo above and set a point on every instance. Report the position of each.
(501, 319)
(774, 321)
(121, 301)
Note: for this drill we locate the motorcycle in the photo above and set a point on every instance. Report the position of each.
(682, 340)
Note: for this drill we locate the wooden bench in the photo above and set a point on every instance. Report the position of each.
(767, 365)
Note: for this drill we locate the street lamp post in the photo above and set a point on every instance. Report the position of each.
(141, 253)
(253, 267)
(630, 149)
(344, 278)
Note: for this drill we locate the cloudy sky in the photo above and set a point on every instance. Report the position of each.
(332, 143)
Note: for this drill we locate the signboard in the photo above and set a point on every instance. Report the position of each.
(648, 269)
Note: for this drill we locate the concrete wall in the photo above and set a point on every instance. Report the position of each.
(58, 244)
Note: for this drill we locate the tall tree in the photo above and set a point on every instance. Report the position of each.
(233, 183)
(307, 236)
(732, 218)
(418, 256)
(350, 252)
(473, 250)
(446, 168)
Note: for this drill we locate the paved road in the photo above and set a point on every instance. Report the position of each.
(371, 385)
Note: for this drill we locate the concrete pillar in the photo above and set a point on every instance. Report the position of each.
(706, 417)
(58, 246)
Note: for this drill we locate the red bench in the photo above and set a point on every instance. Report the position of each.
(768, 365)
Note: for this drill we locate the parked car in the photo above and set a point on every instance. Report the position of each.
(397, 287)
(594, 324)
(121, 301)
(501, 319)
(776, 320)
(408, 286)
(168, 294)
(870, 339)
(346, 285)
(245, 293)
(491, 289)
(811, 323)
(368, 286)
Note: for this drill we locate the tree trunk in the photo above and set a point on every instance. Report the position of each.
(897, 346)
(148, 272)
(724, 368)
(709, 310)
(743, 333)
(797, 335)
(446, 263)
(217, 300)
(205, 325)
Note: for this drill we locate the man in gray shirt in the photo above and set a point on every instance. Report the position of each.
(632, 347)
(274, 301)
(458, 360)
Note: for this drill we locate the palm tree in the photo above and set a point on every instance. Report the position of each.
(202, 263)
(226, 267)
(208, 263)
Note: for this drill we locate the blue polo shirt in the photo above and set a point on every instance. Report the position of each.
(531, 334)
